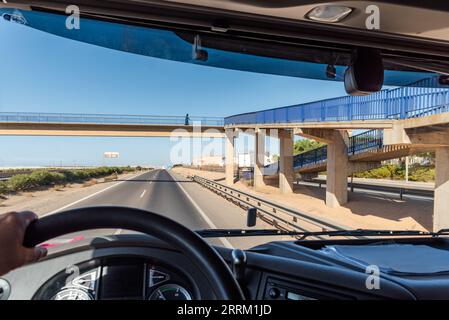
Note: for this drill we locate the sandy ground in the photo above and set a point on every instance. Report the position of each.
(364, 210)
(45, 201)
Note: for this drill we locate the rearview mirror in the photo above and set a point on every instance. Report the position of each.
(251, 217)
(365, 75)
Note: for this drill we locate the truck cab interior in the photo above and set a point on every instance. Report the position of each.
(334, 41)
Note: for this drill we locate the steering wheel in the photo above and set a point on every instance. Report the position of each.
(188, 242)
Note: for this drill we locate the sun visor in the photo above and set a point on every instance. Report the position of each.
(167, 44)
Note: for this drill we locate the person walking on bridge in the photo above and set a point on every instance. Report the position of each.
(186, 122)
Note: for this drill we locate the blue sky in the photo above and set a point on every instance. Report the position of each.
(46, 73)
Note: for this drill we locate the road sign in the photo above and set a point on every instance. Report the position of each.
(111, 155)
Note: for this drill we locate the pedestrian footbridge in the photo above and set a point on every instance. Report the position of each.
(379, 110)
(359, 132)
(75, 124)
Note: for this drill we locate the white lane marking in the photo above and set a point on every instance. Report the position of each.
(225, 241)
(91, 195)
(143, 193)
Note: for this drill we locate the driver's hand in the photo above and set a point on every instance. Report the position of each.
(12, 252)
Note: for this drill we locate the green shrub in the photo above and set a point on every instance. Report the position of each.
(378, 173)
(21, 182)
(424, 174)
(416, 173)
(46, 178)
(4, 188)
(305, 145)
(39, 178)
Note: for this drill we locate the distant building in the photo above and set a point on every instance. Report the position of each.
(415, 159)
(247, 159)
(243, 160)
(208, 161)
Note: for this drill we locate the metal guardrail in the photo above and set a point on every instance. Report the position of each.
(400, 190)
(401, 103)
(213, 168)
(18, 117)
(280, 217)
(6, 175)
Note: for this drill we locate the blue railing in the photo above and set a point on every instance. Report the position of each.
(372, 139)
(310, 157)
(416, 100)
(400, 103)
(365, 141)
(106, 119)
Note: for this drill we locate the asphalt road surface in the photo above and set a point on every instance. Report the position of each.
(175, 197)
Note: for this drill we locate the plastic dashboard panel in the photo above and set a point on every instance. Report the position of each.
(314, 280)
(295, 270)
(307, 269)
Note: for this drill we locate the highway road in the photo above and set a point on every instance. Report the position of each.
(175, 197)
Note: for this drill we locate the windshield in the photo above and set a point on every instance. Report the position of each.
(100, 113)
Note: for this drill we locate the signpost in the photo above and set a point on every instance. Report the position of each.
(110, 154)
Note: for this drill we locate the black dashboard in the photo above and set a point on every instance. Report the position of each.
(144, 268)
(134, 278)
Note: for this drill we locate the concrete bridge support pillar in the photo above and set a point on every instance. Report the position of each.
(286, 173)
(229, 157)
(441, 198)
(259, 156)
(337, 169)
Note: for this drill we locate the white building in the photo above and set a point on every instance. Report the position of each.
(208, 161)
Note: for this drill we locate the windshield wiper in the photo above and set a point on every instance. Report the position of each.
(216, 233)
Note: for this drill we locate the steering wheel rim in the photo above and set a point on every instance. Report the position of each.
(188, 242)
